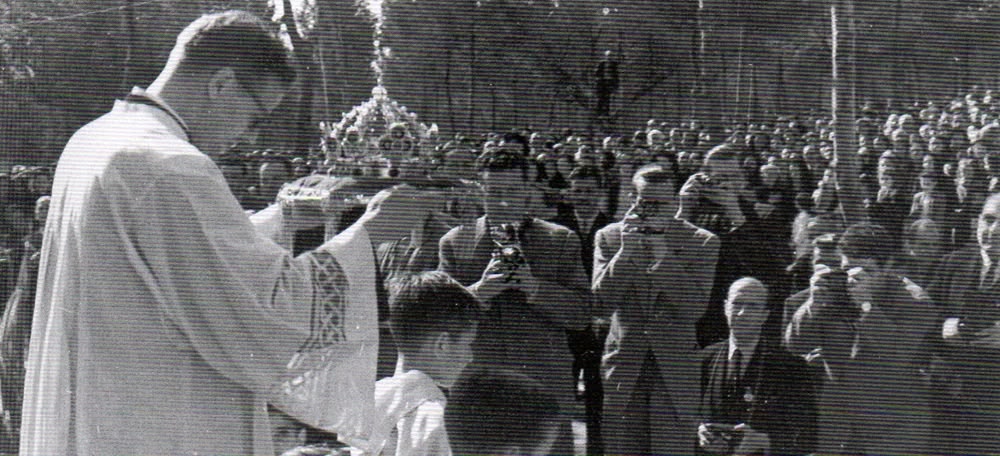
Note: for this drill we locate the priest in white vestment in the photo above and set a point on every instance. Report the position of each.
(164, 315)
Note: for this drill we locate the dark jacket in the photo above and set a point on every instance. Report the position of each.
(776, 395)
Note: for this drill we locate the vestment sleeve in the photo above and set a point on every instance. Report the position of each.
(244, 303)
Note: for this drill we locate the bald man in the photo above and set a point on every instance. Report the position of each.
(756, 398)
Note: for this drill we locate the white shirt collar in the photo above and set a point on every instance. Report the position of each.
(162, 104)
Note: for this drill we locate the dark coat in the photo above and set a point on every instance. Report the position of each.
(525, 331)
(965, 378)
(529, 334)
(874, 397)
(567, 217)
(760, 248)
(775, 395)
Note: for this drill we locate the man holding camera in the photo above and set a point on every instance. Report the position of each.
(866, 327)
(756, 398)
(652, 277)
(752, 242)
(528, 272)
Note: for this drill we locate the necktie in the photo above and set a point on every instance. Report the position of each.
(735, 363)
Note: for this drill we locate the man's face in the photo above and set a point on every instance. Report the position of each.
(508, 196)
(748, 311)
(265, 96)
(238, 108)
(855, 265)
(924, 244)
(726, 174)
(988, 228)
(655, 205)
(884, 171)
(584, 193)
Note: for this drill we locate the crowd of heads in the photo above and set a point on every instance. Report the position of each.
(923, 173)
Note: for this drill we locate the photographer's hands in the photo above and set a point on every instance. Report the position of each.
(499, 275)
(700, 185)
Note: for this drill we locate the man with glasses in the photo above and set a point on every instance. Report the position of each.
(164, 316)
(652, 276)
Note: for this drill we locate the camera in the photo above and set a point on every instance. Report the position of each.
(511, 258)
(507, 248)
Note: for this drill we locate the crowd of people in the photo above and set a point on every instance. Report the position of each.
(693, 291)
(631, 251)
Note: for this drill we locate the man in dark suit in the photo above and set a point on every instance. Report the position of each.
(756, 398)
(585, 212)
(866, 326)
(966, 385)
(529, 274)
(752, 243)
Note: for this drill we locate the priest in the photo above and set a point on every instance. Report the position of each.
(164, 316)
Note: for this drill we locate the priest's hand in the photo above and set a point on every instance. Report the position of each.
(393, 213)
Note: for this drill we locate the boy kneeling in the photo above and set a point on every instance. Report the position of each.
(433, 320)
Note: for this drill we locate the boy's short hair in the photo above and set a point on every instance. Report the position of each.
(429, 303)
(238, 40)
(493, 410)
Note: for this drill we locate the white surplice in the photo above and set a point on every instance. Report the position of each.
(162, 314)
(409, 417)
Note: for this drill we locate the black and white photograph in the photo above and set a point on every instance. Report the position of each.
(499, 227)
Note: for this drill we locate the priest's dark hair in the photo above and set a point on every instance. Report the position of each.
(237, 40)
